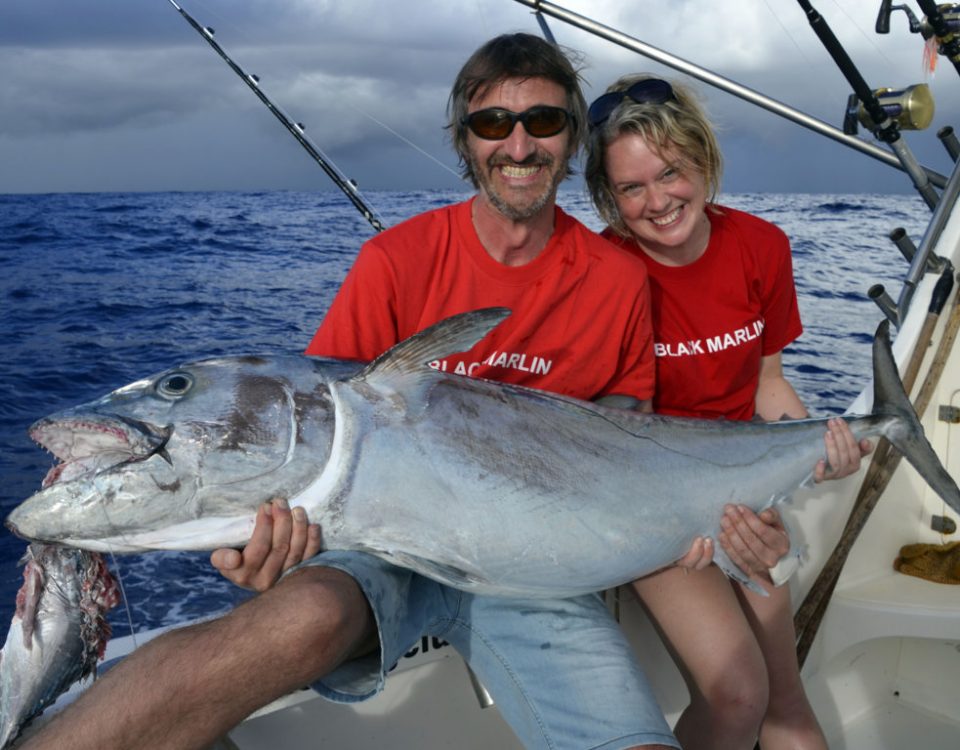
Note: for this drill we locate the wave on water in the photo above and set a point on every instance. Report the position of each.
(844, 207)
(102, 289)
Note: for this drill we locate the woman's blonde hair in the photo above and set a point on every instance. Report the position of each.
(679, 123)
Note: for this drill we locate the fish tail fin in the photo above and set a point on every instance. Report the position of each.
(891, 400)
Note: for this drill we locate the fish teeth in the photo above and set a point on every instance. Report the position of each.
(73, 439)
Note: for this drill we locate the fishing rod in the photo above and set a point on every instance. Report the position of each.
(885, 128)
(347, 187)
(725, 84)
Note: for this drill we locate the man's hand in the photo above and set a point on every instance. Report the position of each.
(843, 452)
(281, 539)
(753, 542)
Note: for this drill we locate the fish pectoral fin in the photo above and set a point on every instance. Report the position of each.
(733, 571)
(458, 333)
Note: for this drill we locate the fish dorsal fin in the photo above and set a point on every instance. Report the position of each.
(452, 335)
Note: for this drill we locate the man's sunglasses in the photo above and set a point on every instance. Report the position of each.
(647, 91)
(495, 124)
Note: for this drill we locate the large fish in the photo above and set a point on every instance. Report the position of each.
(58, 634)
(487, 487)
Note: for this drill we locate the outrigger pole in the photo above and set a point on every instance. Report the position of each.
(725, 84)
(296, 129)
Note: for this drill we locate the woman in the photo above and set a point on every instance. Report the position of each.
(724, 307)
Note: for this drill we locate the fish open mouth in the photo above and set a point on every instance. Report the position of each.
(86, 445)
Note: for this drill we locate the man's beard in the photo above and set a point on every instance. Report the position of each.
(514, 211)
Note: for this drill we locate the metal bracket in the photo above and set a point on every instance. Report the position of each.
(949, 414)
(943, 524)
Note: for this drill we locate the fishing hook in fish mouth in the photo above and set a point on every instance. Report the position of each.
(85, 445)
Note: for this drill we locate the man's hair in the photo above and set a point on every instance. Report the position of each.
(514, 56)
(680, 124)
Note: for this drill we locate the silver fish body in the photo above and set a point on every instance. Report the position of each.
(484, 486)
(57, 634)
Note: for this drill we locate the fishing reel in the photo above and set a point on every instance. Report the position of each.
(950, 13)
(886, 10)
(910, 108)
(940, 28)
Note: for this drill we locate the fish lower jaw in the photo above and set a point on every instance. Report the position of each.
(201, 534)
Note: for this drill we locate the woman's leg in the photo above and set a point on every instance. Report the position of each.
(790, 721)
(704, 626)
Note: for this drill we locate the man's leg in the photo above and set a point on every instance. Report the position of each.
(562, 672)
(190, 686)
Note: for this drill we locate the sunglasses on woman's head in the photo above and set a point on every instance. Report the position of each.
(495, 123)
(647, 91)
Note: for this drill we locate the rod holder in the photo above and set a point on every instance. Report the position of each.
(904, 243)
(935, 264)
(885, 302)
(950, 141)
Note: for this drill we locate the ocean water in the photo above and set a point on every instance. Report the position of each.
(101, 289)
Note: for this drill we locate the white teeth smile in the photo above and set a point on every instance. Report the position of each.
(517, 171)
(662, 221)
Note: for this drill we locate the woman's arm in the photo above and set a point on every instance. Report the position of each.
(757, 542)
(776, 399)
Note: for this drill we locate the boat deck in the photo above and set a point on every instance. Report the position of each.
(894, 726)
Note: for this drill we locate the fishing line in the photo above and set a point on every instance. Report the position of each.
(483, 19)
(126, 601)
(116, 564)
(810, 63)
(239, 34)
(868, 37)
(406, 140)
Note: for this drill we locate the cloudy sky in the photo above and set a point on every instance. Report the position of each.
(120, 95)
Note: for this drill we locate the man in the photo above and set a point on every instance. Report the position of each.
(339, 621)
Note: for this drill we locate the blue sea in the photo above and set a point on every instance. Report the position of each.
(101, 289)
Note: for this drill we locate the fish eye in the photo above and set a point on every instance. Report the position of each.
(175, 385)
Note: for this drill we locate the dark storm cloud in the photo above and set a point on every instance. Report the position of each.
(114, 95)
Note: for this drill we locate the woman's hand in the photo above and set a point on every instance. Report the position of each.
(754, 542)
(843, 452)
(281, 539)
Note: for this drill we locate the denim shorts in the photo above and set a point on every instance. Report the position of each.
(560, 670)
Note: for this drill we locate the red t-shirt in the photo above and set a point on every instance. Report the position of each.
(580, 324)
(716, 317)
